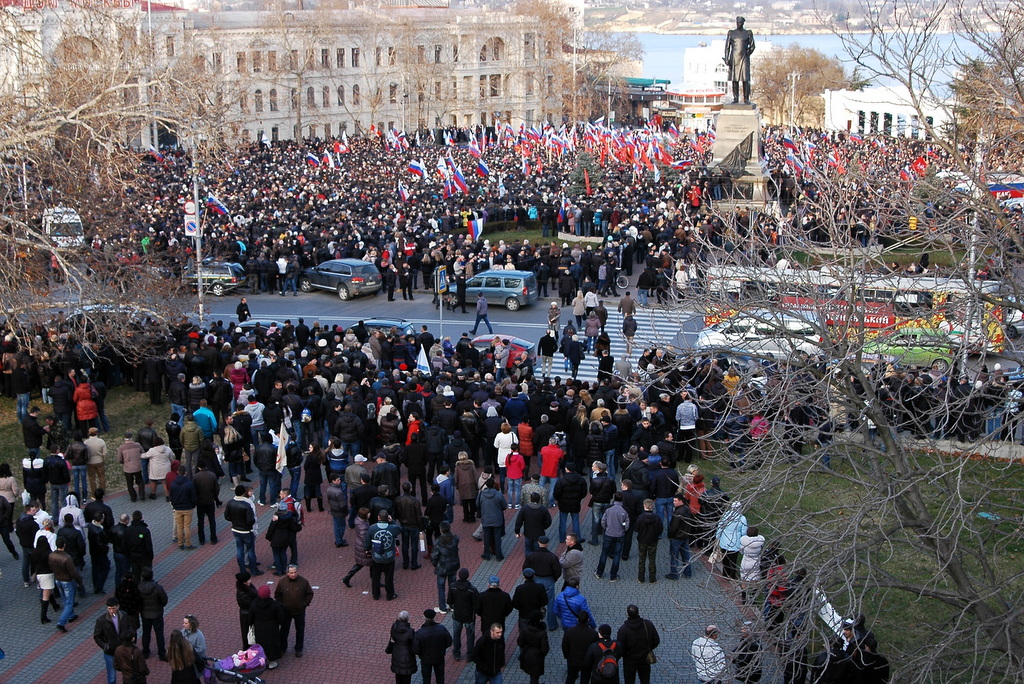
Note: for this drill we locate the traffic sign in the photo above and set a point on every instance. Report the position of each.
(441, 278)
(191, 227)
(190, 208)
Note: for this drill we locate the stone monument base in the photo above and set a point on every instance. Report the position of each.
(737, 151)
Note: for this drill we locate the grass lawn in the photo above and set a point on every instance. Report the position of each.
(125, 409)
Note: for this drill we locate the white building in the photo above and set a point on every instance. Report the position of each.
(703, 66)
(313, 73)
(886, 109)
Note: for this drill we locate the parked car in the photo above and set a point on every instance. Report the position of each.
(511, 289)
(764, 333)
(218, 277)
(518, 344)
(924, 347)
(403, 326)
(348, 277)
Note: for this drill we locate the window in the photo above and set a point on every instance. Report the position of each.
(355, 58)
(887, 123)
(437, 90)
(529, 46)
(169, 46)
(275, 134)
(493, 50)
(355, 95)
(311, 96)
(293, 60)
(455, 52)
(240, 62)
(495, 85)
(467, 87)
(272, 61)
(378, 56)
(551, 85)
(327, 96)
(341, 96)
(312, 130)
(272, 96)
(325, 58)
(295, 98)
(339, 58)
(437, 54)
(421, 94)
(393, 93)
(327, 130)
(243, 102)
(257, 99)
(392, 56)
(421, 54)
(483, 87)
(874, 122)
(217, 62)
(529, 85)
(310, 58)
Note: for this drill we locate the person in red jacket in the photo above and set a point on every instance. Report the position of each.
(550, 466)
(86, 410)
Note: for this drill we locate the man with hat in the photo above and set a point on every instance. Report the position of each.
(493, 605)
(529, 596)
(430, 643)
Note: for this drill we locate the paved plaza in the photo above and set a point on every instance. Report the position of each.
(346, 630)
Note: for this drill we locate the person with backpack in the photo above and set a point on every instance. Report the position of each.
(382, 543)
(602, 659)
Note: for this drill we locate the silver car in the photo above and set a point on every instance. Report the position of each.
(765, 333)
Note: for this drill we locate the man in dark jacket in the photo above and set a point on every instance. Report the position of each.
(633, 502)
(110, 629)
(360, 497)
(386, 473)
(680, 528)
(548, 569)
(570, 490)
(183, 502)
(294, 593)
(139, 545)
(154, 599)
(32, 432)
(408, 513)
(265, 461)
(61, 396)
(529, 596)
(636, 637)
(533, 520)
(462, 597)
(648, 531)
(597, 652)
(206, 501)
(493, 605)
(241, 517)
(337, 506)
(575, 643)
(602, 488)
(430, 643)
(99, 553)
(58, 476)
(489, 655)
(26, 529)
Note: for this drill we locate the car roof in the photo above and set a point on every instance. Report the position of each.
(503, 272)
(526, 344)
(348, 262)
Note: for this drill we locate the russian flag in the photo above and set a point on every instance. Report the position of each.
(526, 167)
(417, 169)
(312, 159)
(403, 194)
(673, 130)
(476, 228)
(473, 148)
(906, 174)
(216, 206)
(481, 169)
(155, 153)
(878, 143)
(328, 159)
(681, 164)
(796, 163)
(856, 137)
(459, 179)
(788, 143)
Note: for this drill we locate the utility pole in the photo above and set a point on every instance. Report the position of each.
(793, 77)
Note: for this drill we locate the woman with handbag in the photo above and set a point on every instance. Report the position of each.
(245, 594)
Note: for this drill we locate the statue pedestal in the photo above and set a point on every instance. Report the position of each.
(738, 152)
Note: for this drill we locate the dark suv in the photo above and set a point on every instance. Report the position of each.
(347, 277)
(219, 277)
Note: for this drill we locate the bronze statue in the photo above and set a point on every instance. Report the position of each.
(739, 45)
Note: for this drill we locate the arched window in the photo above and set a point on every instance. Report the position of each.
(327, 97)
(493, 50)
(341, 96)
(355, 95)
(273, 99)
(257, 99)
(311, 96)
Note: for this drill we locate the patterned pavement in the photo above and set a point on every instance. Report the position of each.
(346, 631)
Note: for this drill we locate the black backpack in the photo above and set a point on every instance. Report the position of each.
(436, 438)
(608, 665)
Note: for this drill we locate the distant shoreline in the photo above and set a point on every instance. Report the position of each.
(718, 32)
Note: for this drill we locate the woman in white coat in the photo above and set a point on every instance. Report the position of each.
(751, 545)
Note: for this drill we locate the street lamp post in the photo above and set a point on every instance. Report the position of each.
(793, 77)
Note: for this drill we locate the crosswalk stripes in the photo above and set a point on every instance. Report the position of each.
(656, 328)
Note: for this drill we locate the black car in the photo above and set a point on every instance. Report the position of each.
(347, 277)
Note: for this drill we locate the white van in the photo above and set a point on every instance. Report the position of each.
(765, 333)
(63, 226)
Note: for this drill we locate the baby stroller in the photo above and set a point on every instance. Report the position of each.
(243, 667)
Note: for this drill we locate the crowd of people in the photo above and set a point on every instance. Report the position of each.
(394, 451)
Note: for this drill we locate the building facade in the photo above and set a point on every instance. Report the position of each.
(889, 110)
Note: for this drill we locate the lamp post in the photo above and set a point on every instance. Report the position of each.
(792, 77)
(194, 172)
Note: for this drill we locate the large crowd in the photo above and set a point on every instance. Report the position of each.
(394, 450)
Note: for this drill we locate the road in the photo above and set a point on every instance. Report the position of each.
(657, 326)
